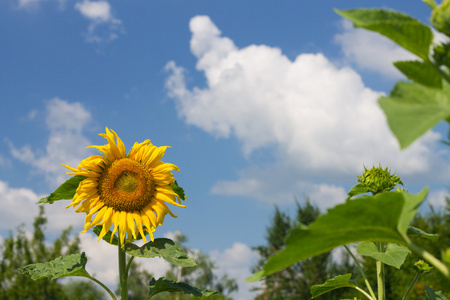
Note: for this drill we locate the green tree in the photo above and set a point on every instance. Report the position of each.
(294, 282)
(20, 250)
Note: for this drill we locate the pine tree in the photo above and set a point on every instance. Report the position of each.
(295, 281)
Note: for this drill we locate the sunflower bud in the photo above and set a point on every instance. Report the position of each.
(422, 267)
(440, 17)
(378, 180)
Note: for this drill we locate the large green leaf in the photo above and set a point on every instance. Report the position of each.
(413, 109)
(337, 282)
(434, 295)
(166, 285)
(65, 191)
(379, 218)
(420, 72)
(165, 248)
(399, 27)
(394, 255)
(64, 266)
(412, 204)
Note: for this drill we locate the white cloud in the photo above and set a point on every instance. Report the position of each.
(237, 262)
(66, 143)
(27, 3)
(33, 4)
(100, 16)
(327, 196)
(321, 121)
(437, 198)
(371, 51)
(19, 207)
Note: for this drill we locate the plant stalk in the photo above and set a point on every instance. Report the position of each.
(380, 275)
(363, 274)
(416, 277)
(363, 292)
(123, 276)
(103, 286)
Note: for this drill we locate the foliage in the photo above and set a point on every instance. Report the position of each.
(381, 221)
(294, 281)
(20, 250)
(413, 107)
(74, 265)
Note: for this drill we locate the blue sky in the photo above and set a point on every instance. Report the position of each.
(261, 102)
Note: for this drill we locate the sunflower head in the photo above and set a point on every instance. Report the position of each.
(128, 191)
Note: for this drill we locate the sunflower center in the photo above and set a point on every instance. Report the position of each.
(126, 185)
(127, 182)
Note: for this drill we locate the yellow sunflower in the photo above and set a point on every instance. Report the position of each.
(130, 190)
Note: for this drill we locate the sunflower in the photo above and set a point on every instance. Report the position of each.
(129, 191)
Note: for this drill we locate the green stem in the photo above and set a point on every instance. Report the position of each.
(411, 285)
(441, 267)
(380, 275)
(129, 265)
(102, 285)
(123, 273)
(363, 274)
(363, 291)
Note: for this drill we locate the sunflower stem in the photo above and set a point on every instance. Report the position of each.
(103, 286)
(123, 274)
(361, 271)
(380, 274)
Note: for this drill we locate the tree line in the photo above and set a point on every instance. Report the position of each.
(294, 282)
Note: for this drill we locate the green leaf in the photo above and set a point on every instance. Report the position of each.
(368, 218)
(179, 191)
(441, 55)
(412, 204)
(431, 3)
(166, 285)
(420, 72)
(358, 190)
(399, 27)
(65, 191)
(337, 282)
(413, 109)
(434, 295)
(165, 248)
(421, 233)
(107, 238)
(394, 256)
(64, 266)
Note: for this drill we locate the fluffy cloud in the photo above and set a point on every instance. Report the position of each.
(14, 200)
(437, 198)
(237, 262)
(19, 207)
(66, 143)
(32, 4)
(371, 51)
(99, 14)
(321, 121)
